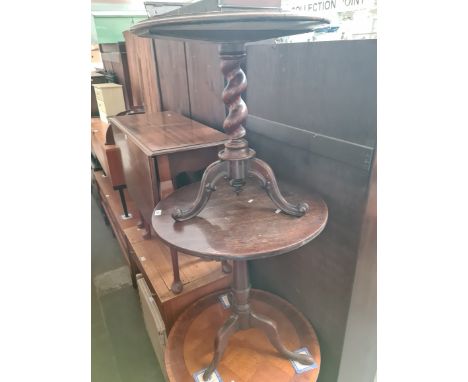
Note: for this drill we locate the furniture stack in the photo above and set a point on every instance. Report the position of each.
(179, 230)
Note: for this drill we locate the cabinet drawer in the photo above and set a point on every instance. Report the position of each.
(153, 322)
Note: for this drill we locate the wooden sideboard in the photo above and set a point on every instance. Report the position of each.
(155, 148)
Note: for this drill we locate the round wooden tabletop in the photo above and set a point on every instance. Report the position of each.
(240, 26)
(244, 226)
(249, 356)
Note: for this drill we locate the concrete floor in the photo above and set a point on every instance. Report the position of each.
(120, 348)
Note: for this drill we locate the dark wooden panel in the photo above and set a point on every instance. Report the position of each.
(205, 83)
(149, 76)
(139, 173)
(359, 358)
(143, 72)
(338, 149)
(133, 68)
(309, 87)
(304, 84)
(172, 71)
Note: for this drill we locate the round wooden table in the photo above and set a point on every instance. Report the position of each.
(239, 227)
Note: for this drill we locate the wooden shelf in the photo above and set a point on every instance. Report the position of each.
(152, 258)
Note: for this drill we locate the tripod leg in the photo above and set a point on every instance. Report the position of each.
(269, 327)
(212, 174)
(222, 338)
(264, 173)
(177, 285)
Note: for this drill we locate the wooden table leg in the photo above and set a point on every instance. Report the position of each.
(166, 186)
(243, 318)
(147, 234)
(133, 268)
(177, 285)
(141, 221)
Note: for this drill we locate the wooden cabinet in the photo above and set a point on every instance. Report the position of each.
(110, 99)
(155, 148)
(153, 322)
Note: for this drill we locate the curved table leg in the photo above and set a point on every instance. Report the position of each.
(222, 338)
(269, 327)
(212, 174)
(262, 171)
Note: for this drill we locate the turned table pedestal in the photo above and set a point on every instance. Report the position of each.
(240, 227)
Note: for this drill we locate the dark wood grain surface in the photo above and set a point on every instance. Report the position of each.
(244, 226)
(143, 72)
(205, 83)
(131, 45)
(140, 174)
(166, 132)
(326, 88)
(249, 356)
(172, 72)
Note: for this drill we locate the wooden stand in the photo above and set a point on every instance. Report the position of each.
(240, 228)
(249, 355)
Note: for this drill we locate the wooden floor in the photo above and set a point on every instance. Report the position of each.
(249, 356)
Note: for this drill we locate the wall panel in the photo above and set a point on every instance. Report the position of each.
(172, 72)
(325, 90)
(205, 83)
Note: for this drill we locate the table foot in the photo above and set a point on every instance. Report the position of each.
(177, 287)
(269, 328)
(262, 171)
(222, 338)
(212, 174)
(141, 221)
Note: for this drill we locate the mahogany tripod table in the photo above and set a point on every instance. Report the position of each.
(239, 227)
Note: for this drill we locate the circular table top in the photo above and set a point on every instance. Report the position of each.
(249, 355)
(244, 226)
(236, 26)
